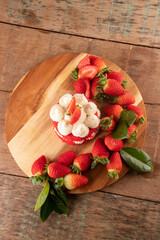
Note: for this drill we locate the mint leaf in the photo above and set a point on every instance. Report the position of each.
(121, 131)
(42, 196)
(75, 74)
(128, 116)
(137, 159)
(59, 192)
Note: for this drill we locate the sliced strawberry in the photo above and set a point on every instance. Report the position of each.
(76, 115)
(73, 180)
(88, 71)
(94, 86)
(88, 93)
(85, 61)
(113, 87)
(57, 170)
(71, 106)
(107, 124)
(66, 158)
(96, 61)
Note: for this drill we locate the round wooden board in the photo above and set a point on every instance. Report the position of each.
(28, 127)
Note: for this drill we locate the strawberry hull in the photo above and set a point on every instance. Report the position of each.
(71, 139)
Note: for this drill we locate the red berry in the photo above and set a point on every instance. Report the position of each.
(57, 170)
(82, 85)
(115, 165)
(85, 61)
(39, 166)
(125, 99)
(71, 106)
(88, 71)
(114, 88)
(116, 76)
(76, 115)
(107, 124)
(140, 117)
(132, 132)
(96, 61)
(66, 158)
(114, 110)
(73, 180)
(113, 144)
(82, 162)
(94, 86)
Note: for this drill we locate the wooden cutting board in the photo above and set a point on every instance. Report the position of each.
(28, 127)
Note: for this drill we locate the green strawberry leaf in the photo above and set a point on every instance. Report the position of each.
(102, 81)
(104, 161)
(75, 74)
(58, 182)
(105, 123)
(93, 164)
(121, 131)
(137, 159)
(52, 203)
(141, 120)
(133, 137)
(124, 83)
(42, 196)
(103, 70)
(37, 180)
(128, 116)
(75, 169)
(113, 174)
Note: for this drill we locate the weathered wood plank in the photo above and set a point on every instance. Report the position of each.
(92, 216)
(141, 63)
(126, 21)
(145, 186)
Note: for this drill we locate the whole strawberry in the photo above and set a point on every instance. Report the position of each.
(118, 77)
(107, 124)
(100, 153)
(132, 132)
(114, 110)
(81, 163)
(125, 99)
(115, 166)
(113, 144)
(66, 158)
(140, 117)
(73, 180)
(113, 87)
(98, 62)
(57, 170)
(38, 166)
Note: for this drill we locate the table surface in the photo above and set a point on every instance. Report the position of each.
(125, 32)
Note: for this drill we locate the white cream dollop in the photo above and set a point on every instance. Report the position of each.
(67, 117)
(80, 130)
(81, 99)
(83, 116)
(92, 121)
(57, 113)
(90, 108)
(65, 100)
(64, 127)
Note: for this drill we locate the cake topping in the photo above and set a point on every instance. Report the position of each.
(92, 121)
(90, 108)
(65, 100)
(64, 127)
(80, 130)
(57, 113)
(81, 99)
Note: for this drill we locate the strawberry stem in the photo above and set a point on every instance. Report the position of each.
(113, 174)
(75, 169)
(141, 120)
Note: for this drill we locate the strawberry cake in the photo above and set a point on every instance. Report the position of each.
(75, 119)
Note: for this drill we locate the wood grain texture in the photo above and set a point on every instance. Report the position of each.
(141, 63)
(28, 127)
(125, 21)
(94, 216)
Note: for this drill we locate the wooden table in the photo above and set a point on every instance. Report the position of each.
(125, 32)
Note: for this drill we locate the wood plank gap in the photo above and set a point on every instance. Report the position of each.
(82, 36)
(6, 91)
(156, 104)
